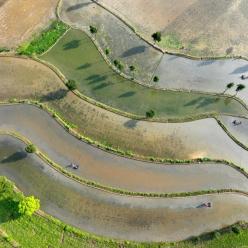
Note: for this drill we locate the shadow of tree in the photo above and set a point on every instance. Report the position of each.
(55, 95)
(134, 51)
(8, 209)
(101, 86)
(241, 69)
(78, 6)
(84, 66)
(14, 157)
(72, 44)
(131, 124)
(127, 94)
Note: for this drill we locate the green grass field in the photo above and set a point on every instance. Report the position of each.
(77, 58)
(39, 232)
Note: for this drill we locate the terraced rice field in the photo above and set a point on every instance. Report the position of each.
(195, 27)
(121, 191)
(146, 219)
(118, 172)
(97, 80)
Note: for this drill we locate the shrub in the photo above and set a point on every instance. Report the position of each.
(107, 51)
(150, 114)
(30, 148)
(156, 79)
(28, 205)
(236, 230)
(71, 84)
(157, 36)
(93, 29)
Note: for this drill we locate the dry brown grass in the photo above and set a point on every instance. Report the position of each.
(205, 28)
(19, 19)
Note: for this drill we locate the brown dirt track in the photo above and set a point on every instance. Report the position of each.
(19, 19)
(205, 28)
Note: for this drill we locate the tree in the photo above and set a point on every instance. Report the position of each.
(71, 84)
(30, 148)
(228, 87)
(132, 69)
(157, 37)
(28, 205)
(156, 79)
(93, 30)
(107, 51)
(239, 88)
(118, 64)
(150, 114)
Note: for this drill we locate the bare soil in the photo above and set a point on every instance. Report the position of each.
(19, 19)
(205, 28)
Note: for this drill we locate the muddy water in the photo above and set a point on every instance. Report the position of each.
(112, 170)
(103, 213)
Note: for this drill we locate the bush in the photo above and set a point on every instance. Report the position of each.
(150, 114)
(30, 148)
(236, 230)
(28, 205)
(107, 51)
(156, 79)
(71, 84)
(93, 29)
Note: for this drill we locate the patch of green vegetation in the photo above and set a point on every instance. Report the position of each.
(77, 58)
(37, 231)
(4, 49)
(30, 148)
(45, 40)
(171, 41)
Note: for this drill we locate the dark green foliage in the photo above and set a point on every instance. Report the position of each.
(236, 229)
(118, 64)
(230, 85)
(93, 29)
(240, 87)
(156, 79)
(157, 37)
(71, 84)
(30, 148)
(4, 49)
(150, 114)
(132, 68)
(107, 51)
(45, 40)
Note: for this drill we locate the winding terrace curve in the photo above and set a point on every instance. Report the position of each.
(122, 217)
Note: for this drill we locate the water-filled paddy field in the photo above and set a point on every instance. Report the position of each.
(114, 171)
(146, 219)
(77, 58)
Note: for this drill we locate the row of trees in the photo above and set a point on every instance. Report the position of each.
(239, 87)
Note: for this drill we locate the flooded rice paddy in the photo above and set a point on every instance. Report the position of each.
(103, 213)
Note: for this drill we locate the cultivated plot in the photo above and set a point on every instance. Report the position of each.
(20, 19)
(195, 27)
(97, 80)
(114, 35)
(112, 215)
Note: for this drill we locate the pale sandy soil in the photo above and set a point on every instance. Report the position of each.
(205, 28)
(20, 19)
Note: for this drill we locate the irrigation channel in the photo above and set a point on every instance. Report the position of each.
(113, 215)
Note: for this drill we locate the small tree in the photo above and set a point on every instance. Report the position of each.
(228, 87)
(150, 114)
(132, 69)
(71, 84)
(157, 37)
(239, 88)
(93, 30)
(28, 205)
(107, 51)
(118, 64)
(30, 148)
(156, 79)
